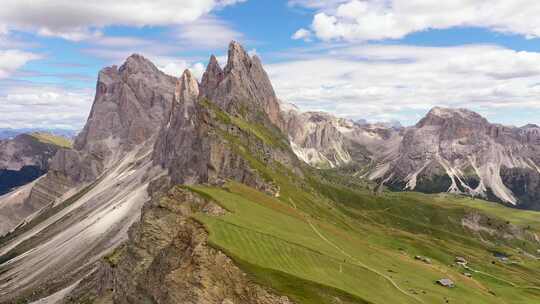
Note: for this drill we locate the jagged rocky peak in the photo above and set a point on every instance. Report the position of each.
(531, 132)
(459, 151)
(452, 112)
(187, 87)
(190, 146)
(238, 58)
(212, 76)
(129, 107)
(242, 87)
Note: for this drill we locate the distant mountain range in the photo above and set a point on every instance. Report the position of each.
(449, 150)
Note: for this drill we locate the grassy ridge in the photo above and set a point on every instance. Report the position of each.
(332, 235)
(52, 139)
(271, 236)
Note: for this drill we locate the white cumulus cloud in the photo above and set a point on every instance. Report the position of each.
(207, 32)
(82, 19)
(382, 82)
(40, 106)
(355, 20)
(302, 34)
(11, 60)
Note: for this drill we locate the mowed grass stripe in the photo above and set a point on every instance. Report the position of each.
(278, 237)
(272, 253)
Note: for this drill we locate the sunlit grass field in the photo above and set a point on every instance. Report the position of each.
(52, 139)
(361, 248)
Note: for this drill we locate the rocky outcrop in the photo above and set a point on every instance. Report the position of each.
(492, 229)
(317, 138)
(25, 150)
(23, 159)
(130, 106)
(194, 146)
(168, 259)
(190, 146)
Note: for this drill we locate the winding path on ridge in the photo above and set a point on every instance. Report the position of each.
(359, 263)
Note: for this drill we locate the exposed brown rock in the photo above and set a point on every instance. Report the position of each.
(25, 150)
(168, 260)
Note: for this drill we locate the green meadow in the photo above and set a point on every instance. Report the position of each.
(359, 247)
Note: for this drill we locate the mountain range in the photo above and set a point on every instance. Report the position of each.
(449, 150)
(180, 191)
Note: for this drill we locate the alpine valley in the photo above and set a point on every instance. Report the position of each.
(215, 191)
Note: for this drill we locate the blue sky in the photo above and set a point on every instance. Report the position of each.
(378, 60)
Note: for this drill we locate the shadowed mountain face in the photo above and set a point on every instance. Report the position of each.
(25, 158)
(449, 150)
(10, 179)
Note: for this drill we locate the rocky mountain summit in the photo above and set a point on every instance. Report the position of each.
(146, 133)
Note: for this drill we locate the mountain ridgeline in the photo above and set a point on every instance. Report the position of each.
(449, 150)
(214, 191)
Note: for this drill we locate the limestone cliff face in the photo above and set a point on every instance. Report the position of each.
(317, 139)
(23, 159)
(325, 141)
(92, 194)
(191, 147)
(130, 105)
(459, 151)
(449, 150)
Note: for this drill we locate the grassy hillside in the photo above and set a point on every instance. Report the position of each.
(362, 249)
(52, 139)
